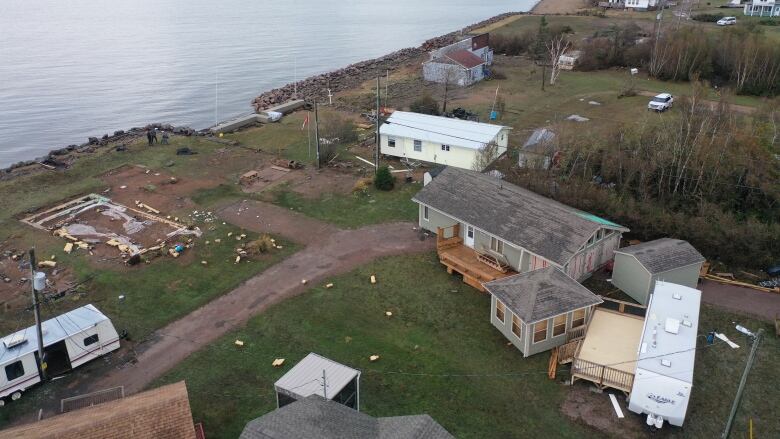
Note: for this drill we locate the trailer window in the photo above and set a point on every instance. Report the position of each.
(418, 145)
(391, 142)
(14, 370)
(92, 339)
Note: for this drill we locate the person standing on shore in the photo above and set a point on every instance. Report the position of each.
(164, 138)
(149, 136)
(154, 136)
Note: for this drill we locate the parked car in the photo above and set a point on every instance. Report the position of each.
(661, 102)
(727, 21)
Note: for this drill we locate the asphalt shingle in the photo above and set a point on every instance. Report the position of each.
(663, 254)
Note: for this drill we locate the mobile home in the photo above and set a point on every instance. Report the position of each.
(69, 340)
(667, 351)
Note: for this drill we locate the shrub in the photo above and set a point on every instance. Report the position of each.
(426, 104)
(708, 17)
(362, 185)
(384, 179)
(260, 245)
(497, 74)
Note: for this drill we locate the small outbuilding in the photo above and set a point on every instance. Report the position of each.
(638, 267)
(317, 375)
(540, 309)
(538, 151)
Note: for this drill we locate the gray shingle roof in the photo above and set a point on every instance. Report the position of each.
(537, 223)
(541, 294)
(315, 417)
(663, 254)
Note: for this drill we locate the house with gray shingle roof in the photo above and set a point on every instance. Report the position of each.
(541, 309)
(638, 267)
(477, 217)
(317, 417)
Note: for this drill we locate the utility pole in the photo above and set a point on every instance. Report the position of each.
(741, 388)
(543, 74)
(37, 311)
(387, 86)
(317, 132)
(324, 385)
(378, 121)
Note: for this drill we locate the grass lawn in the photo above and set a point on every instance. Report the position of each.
(355, 209)
(440, 327)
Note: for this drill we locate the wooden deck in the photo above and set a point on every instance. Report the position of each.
(475, 268)
(607, 355)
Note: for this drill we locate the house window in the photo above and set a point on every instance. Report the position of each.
(500, 310)
(418, 145)
(391, 142)
(425, 213)
(14, 370)
(559, 325)
(578, 318)
(497, 245)
(517, 326)
(540, 331)
(92, 339)
(445, 147)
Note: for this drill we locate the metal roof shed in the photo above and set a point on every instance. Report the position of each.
(317, 375)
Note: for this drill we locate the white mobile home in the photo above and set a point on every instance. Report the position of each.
(667, 351)
(69, 340)
(442, 140)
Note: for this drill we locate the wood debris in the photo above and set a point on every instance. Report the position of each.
(278, 362)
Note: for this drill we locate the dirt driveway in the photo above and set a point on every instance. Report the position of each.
(329, 251)
(765, 306)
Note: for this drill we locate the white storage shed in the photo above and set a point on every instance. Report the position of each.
(317, 375)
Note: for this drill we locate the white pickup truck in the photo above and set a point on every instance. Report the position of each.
(661, 102)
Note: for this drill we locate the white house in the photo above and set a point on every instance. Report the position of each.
(667, 352)
(762, 8)
(641, 5)
(462, 63)
(441, 140)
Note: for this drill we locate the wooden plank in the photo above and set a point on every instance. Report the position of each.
(552, 366)
(615, 405)
(279, 168)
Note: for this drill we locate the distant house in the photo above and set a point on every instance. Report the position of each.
(442, 140)
(161, 413)
(462, 63)
(316, 417)
(641, 5)
(638, 267)
(489, 229)
(541, 309)
(762, 8)
(568, 60)
(538, 151)
(317, 375)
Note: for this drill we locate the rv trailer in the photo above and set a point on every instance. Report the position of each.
(69, 340)
(667, 350)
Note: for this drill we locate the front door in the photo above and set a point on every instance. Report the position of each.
(469, 238)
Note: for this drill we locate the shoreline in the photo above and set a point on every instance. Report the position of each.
(313, 87)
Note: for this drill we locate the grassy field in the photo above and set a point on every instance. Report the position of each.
(355, 209)
(439, 332)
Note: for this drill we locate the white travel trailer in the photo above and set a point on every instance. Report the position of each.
(667, 350)
(69, 340)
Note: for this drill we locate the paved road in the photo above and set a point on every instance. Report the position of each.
(329, 251)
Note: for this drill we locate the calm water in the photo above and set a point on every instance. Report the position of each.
(70, 69)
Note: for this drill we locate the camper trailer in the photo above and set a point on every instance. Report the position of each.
(667, 350)
(69, 340)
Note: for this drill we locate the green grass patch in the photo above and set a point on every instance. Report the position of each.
(440, 327)
(354, 209)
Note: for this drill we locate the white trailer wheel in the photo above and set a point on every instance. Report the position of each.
(16, 395)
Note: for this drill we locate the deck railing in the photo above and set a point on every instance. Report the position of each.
(567, 351)
(601, 375)
(448, 237)
(576, 333)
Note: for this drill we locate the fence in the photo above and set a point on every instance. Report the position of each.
(90, 399)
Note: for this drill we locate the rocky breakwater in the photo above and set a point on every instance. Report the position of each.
(62, 158)
(316, 87)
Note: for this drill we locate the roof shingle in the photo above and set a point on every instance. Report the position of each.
(316, 417)
(540, 294)
(663, 254)
(521, 217)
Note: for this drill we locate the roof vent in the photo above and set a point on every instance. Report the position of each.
(14, 340)
(672, 326)
(676, 296)
(687, 323)
(666, 362)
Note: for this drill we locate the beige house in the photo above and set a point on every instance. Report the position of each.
(488, 229)
(539, 310)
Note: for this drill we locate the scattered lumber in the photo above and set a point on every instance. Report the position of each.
(552, 366)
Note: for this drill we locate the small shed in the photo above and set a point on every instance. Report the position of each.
(317, 375)
(537, 152)
(638, 267)
(568, 60)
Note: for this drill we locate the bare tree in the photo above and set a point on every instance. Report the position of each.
(556, 46)
(485, 156)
